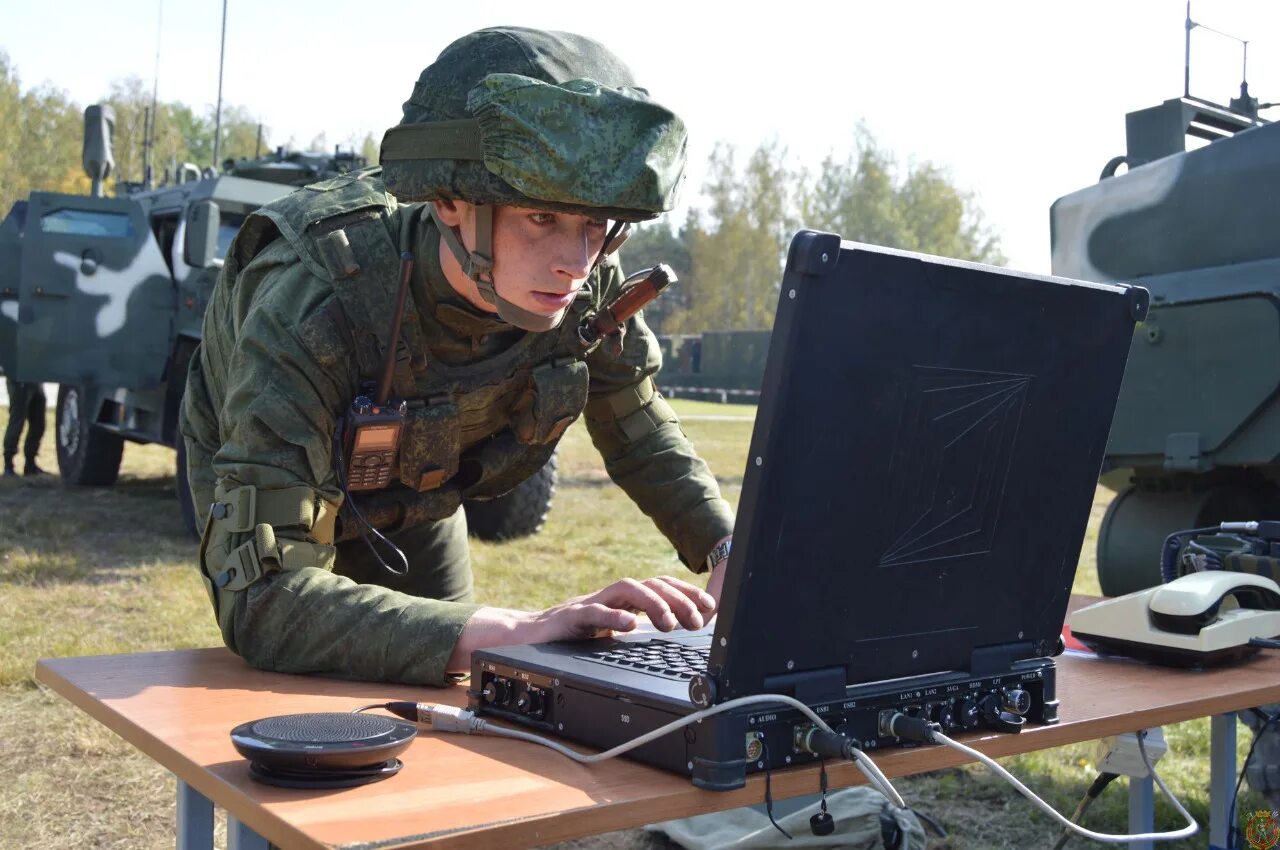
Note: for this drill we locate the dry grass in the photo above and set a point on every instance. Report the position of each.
(86, 571)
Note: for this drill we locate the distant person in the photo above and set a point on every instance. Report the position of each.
(520, 155)
(26, 405)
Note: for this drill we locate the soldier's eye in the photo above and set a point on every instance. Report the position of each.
(542, 218)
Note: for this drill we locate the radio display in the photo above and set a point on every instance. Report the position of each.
(376, 437)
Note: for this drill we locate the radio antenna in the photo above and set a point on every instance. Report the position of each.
(217, 115)
(1186, 72)
(149, 123)
(393, 341)
(1186, 62)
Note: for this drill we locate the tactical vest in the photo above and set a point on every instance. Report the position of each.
(453, 445)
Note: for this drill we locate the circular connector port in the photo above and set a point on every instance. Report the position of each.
(536, 703)
(1017, 700)
(496, 692)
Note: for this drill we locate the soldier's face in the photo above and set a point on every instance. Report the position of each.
(541, 259)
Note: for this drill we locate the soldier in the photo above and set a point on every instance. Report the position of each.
(530, 150)
(26, 404)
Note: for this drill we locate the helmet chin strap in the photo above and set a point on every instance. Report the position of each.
(478, 265)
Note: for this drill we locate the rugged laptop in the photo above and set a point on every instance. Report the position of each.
(922, 468)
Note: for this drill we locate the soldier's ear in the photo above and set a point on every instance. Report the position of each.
(451, 213)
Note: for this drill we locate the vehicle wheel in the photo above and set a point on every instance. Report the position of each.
(519, 513)
(87, 455)
(182, 488)
(1137, 522)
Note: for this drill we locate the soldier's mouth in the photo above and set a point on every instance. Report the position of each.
(553, 301)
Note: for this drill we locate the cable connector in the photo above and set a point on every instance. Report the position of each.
(441, 718)
(826, 744)
(913, 728)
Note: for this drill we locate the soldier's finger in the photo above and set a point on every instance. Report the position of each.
(705, 601)
(680, 599)
(639, 596)
(594, 616)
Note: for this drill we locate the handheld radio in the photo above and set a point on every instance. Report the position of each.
(374, 422)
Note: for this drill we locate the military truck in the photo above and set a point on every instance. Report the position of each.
(104, 296)
(723, 366)
(1196, 435)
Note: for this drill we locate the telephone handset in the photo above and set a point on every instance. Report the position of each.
(1198, 620)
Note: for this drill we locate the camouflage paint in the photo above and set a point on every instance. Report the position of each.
(1190, 227)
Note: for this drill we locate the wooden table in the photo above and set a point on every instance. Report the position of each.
(481, 792)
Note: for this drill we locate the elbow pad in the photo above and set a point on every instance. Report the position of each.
(240, 546)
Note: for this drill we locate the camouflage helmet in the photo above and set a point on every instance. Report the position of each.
(532, 118)
(539, 119)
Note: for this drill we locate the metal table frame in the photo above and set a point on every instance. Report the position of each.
(195, 811)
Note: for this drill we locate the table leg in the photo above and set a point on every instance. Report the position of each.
(1142, 813)
(1222, 778)
(241, 837)
(195, 819)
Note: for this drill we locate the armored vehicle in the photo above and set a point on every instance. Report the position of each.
(105, 296)
(1196, 436)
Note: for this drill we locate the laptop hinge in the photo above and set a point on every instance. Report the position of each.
(999, 658)
(811, 686)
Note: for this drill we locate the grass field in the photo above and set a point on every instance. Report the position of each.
(91, 571)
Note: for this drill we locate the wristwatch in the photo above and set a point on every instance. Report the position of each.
(719, 554)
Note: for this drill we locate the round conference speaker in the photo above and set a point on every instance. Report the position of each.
(319, 750)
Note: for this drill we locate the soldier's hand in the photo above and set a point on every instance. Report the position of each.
(668, 602)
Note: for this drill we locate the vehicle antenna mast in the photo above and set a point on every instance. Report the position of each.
(149, 126)
(1246, 104)
(217, 117)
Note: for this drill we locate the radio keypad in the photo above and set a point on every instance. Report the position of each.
(371, 471)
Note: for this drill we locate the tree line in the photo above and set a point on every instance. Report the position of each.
(728, 252)
(42, 133)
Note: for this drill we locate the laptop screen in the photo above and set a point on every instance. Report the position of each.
(922, 469)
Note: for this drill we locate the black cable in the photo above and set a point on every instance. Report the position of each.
(1169, 550)
(930, 822)
(1233, 835)
(346, 495)
(768, 791)
(822, 824)
(1211, 558)
(1104, 779)
(400, 708)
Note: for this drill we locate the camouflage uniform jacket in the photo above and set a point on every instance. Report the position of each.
(279, 363)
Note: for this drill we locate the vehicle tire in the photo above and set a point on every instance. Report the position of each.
(1138, 521)
(87, 455)
(182, 488)
(519, 513)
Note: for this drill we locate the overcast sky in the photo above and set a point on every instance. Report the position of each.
(1021, 102)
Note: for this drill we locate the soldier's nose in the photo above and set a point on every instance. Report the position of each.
(574, 258)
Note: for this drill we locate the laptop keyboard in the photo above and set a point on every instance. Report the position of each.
(664, 658)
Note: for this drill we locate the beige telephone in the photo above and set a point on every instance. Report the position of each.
(1198, 620)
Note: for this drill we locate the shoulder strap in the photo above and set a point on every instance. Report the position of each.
(367, 265)
(319, 205)
(340, 230)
